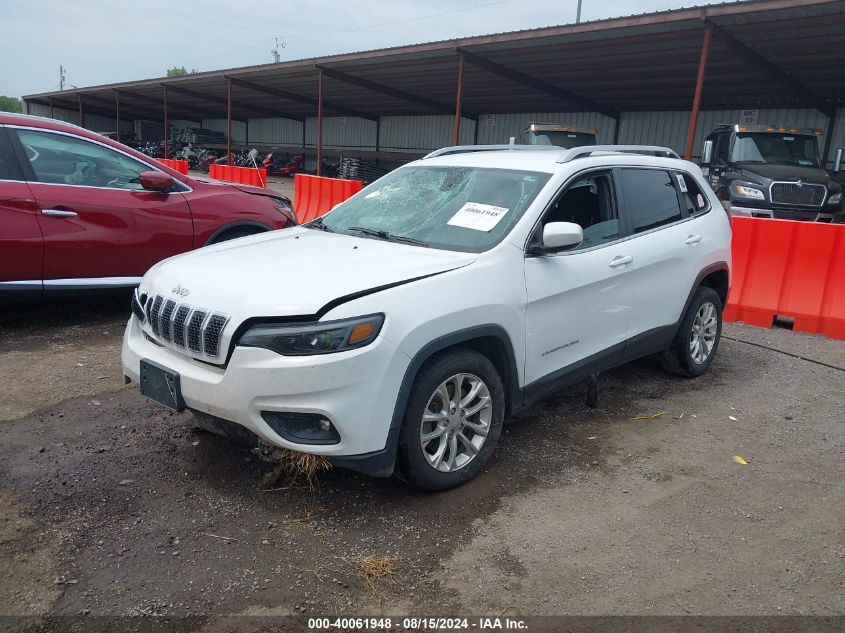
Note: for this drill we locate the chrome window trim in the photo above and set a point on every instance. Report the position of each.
(114, 149)
(25, 284)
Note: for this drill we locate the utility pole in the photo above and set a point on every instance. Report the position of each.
(578, 13)
(62, 71)
(275, 52)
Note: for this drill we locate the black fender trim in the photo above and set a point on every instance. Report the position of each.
(376, 464)
(450, 340)
(237, 225)
(705, 272)
(381, 463)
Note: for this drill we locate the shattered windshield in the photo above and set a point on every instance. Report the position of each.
(454, 208)
(783, 149)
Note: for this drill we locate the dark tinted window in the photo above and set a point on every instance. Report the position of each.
(8, 165)
(720, 148)
(650, 198)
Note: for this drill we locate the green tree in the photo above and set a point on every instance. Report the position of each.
(178, 71)
(10, 104)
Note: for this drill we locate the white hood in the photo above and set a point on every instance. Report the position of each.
(291, 272)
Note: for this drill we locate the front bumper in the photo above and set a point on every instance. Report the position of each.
(801, 215)
(356, 390)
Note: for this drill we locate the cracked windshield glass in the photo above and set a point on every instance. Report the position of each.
(455, 208)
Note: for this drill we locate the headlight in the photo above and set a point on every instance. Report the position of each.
(314, 338)
(835, 198)
(749, 192)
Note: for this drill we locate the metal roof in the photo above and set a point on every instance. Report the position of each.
(773, 53)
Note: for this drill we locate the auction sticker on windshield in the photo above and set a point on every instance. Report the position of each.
(478, 216)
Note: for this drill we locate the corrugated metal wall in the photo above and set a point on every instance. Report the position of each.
(422, 133)
(498, 128)
(342, 132)
(93, 122)
(275, 132)
(219, 125)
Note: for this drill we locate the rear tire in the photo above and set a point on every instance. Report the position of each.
(452, 421)
(695, 345)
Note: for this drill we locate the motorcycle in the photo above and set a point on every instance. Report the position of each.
(277, 166)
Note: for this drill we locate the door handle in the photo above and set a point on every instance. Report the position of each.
(58, 213)
(693, 239)
(621, 260)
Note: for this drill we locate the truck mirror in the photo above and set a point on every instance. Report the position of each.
(706, 152)
(837, 160)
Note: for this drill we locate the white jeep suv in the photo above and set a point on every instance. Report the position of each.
(403, 327)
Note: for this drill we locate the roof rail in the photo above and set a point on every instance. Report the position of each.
(586, 150)
(463, 149)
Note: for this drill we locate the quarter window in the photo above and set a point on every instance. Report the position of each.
(651, 199)
(693, 198)
(67, 160)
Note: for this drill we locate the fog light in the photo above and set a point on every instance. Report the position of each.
(302, 428)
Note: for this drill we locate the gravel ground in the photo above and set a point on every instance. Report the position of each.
(111, 506)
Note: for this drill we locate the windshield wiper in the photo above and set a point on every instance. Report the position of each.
(385, 235)
(319, 225)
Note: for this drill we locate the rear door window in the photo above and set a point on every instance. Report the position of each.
(650, 197)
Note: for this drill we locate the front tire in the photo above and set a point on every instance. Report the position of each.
(694, 348)
(452, 421)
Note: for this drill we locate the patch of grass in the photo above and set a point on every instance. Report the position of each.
(291, 467)
(372, 569)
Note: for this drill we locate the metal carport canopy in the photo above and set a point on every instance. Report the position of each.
(773, 53)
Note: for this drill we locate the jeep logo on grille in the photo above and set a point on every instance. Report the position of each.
(179, 290)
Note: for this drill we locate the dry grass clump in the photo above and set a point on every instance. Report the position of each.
(291, 467)
(371, 569)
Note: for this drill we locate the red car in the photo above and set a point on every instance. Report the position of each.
(78, 210)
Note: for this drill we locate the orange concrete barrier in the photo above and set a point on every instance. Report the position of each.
(314, 195)
(257, 177)
(788, 269)
(178, 165)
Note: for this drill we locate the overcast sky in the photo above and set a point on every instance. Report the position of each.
(103, 42)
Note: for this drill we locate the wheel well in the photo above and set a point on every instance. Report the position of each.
(241, 228)
(718, 281)
(496, 352)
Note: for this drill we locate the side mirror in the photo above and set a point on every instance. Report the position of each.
(156, 181)
(706, 152)
(837, 161)
(559, 236)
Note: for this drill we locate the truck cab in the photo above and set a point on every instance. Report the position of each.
(771, 172)
(565, 136)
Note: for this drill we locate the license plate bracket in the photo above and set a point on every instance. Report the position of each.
(162, 385)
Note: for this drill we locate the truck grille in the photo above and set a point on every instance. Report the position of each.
(795, 194)
(180, 325)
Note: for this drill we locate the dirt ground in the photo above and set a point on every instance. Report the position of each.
(111, 506)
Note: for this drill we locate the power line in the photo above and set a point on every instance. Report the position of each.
(360, 28)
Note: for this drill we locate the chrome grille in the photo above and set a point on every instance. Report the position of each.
(155, 315)
(166, 316)
(211, 334)
(195, 329)
(797, 194)
(180, 325)
(179, 320)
